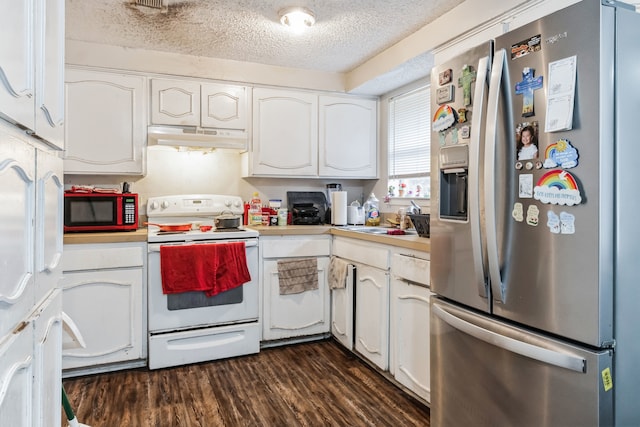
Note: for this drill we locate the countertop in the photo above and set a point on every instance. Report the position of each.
(408, 241)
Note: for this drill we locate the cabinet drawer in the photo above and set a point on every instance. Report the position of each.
(361, 251)
(410, 268)
(284, 248)
(80, 257)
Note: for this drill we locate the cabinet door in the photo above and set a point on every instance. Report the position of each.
(17, 215)
(49, 112)
(224, 106)
(17, 69)
(348, 143)
(49, 222)
(105, 123)
(175, 102)
(409, 336)
(372, 315)
(48, 361)
(106, 306)
(285, 133)
(16, 378)
(306, 313)
(342, 311)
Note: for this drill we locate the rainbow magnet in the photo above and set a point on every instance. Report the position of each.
(557, 187)
(561, 153)
(444, 118)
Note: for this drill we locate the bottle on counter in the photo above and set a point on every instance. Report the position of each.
(255, 210)
(371, 211)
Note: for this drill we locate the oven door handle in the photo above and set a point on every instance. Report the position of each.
(155, 247)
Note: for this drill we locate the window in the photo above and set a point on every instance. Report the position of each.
(410, 144)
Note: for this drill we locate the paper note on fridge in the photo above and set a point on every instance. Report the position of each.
(562, 86)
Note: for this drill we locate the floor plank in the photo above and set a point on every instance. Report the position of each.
(310, 384)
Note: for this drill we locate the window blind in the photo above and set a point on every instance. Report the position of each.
(410, 134)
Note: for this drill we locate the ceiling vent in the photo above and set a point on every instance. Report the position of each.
(163, 5)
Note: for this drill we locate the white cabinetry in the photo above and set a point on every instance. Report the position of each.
(347, 138)
(294, 315)
(371, 262)
(191, 103)
(32, 66)
(303, 134)
(106, 126)
(285, 133)
(409, 321)
(30, 304)
(103, 288)
(342, 310)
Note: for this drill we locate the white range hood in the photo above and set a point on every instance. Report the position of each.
(191, 136)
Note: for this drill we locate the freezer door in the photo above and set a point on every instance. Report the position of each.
(487, 373)
(457, 251)
(553, 268)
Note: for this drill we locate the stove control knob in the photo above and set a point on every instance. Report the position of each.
(238, 204)
(165, 204)
(227, 203)
(154, 205)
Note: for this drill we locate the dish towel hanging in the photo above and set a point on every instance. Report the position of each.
(297, 275)
(211, 268)
(337, 273)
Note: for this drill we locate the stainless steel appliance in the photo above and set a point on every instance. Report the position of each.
(90, 211)
(307, 207)
(533, 230)
(191, 327)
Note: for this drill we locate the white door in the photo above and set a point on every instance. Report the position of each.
(372, 315)
(285, 133)
(348, 144)
(306, 313)
(175, 102)
(342, 311)
(16, 378)
(17, 174)
(224, 106)
(106, 126)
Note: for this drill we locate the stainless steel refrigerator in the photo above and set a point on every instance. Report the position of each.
(535, 240)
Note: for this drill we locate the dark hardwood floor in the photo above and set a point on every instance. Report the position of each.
(310, 384)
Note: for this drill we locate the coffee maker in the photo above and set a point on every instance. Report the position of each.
(307, 207)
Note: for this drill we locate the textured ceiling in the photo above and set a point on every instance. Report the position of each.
(346, 33)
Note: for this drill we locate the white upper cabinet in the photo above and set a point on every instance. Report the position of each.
(347, 139)
(32, 66)
(106, 128)
(191, 103)
(303, 134)
(285, 133)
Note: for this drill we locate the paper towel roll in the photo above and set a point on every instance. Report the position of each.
(339, 208)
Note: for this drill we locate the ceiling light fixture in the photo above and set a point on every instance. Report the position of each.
(297, 18)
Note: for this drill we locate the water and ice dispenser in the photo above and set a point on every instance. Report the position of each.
(454, 171)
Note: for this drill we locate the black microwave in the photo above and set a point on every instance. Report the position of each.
(100, 212)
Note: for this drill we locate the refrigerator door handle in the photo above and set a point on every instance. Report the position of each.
(478, 247)
(498, 72)
(562, 360)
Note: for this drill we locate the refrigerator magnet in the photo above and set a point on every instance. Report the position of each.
(567, 223)
(462, 115)
(526, 88)
(557, 187)
(561, 153)
(465, 132)
(553, 222)
(525, 186)
(533, 214)
(444, 118)
(464, 81)
(444, 77)
(518, 212)
(444, 94)
(454, 135)
(525, 47)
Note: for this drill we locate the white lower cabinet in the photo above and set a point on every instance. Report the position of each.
(370, 265)
(104, 287)
(372, 315)
(342, 310)
(301, 314)
(409, 323)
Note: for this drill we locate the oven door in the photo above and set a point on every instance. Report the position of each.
(193, 309)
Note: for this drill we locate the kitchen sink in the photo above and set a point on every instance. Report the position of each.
(373, 230)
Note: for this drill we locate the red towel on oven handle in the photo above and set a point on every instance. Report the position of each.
(212, 268)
